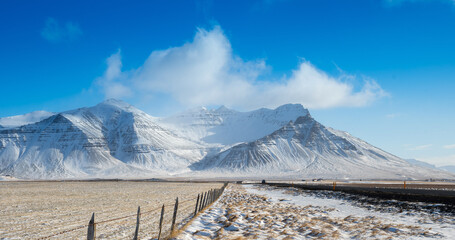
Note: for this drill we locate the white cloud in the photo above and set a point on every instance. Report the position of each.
(53, 32)
(452, 146)
(111, 82)
(206, 72)
(420, 147)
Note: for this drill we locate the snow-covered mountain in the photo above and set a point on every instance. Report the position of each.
(19, 120)
(226, 127)
(110, 139)
(449, 168)
(307, 149)
(421, 163)
(115, 139)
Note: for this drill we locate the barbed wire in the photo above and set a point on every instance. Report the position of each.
(112, 220)
(63, 232)
(115, 219)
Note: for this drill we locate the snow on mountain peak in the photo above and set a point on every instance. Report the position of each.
(223, 108)
(307, 149)
(92, 141)
(226, 127)
(112, 102)
(115, 138)
(290, 107)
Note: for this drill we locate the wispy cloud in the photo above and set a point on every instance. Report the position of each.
(206, 72)
(112, 79)
(440, 160)
(420, 147)
(392, 115)
(451, 146)
(53, 31)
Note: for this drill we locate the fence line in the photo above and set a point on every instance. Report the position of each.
(203, 200)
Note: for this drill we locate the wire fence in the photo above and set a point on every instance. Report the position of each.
(202, 201)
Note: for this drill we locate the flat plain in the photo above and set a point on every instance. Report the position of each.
(33, 210)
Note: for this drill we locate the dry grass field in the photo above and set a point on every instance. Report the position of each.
(31, 210)
(264, 212)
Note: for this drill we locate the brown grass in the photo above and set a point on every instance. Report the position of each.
(36, 209)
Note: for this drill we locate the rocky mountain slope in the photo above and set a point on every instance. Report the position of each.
(111, 139)
(115, 139)
(307, 149)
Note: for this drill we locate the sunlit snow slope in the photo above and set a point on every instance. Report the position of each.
(115, 139)
(307, 149)
(225, 126)
(111, 139)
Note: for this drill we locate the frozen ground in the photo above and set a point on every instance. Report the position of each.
(8, 178)
(30, 210)
(261, 212)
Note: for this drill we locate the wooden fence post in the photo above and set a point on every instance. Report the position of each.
(210, 197)
(202, 203)
(91, 231)
(213, 195)
(206, 199)
(197, 203)
(137, 223)
(176, 206)
(161, 222)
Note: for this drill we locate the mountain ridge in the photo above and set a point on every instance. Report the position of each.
(306, 148)
(225, 126)
(87, 141)
(115, 139)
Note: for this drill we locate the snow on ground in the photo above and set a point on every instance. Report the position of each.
(262, 212)
(8, 178)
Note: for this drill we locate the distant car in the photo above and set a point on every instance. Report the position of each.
(317, 179)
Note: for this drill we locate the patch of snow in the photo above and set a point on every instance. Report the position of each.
(267, 213)
(344, 208)
(8, 178)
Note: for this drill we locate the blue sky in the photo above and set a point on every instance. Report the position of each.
(382, 70)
